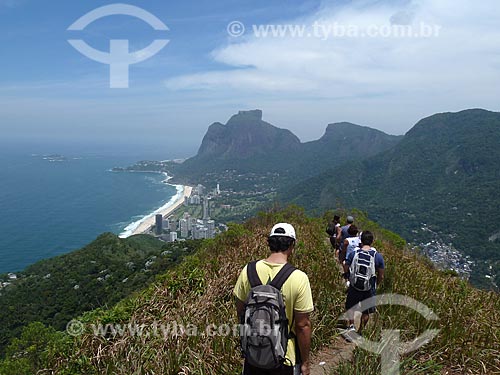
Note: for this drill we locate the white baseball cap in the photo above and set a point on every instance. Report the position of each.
(283, 229)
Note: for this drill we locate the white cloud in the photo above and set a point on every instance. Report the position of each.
(460, 65)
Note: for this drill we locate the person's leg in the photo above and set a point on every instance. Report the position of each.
(342, 255)
(366, 313)
(286, 370)
(349, 303)
(352, 300)
(333, 242)
(364, 320)
(251, 370)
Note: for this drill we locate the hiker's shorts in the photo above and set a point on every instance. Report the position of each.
(355, 296)
(250, 370)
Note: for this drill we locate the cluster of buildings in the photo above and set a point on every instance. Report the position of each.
(445, 255)
(188, 227)
(11, 277)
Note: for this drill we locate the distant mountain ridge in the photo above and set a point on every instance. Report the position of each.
(248, 144)
(444, 173)
(245, 135)
(345, 141)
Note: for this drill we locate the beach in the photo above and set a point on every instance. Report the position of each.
(148, 221)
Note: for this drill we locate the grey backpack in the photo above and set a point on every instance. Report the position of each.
(362, 269)
(264, 333)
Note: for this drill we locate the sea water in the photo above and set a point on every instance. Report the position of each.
(53, 205)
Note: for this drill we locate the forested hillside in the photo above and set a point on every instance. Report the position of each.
(443, 177)
(54, 291)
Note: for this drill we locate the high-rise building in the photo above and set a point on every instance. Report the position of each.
(217, 190)
(173, 225)
(200, 232)
(194, 199)
(173, 236)
(191, 223)
(183, 224)
(206, 208)
(210, 229)
(159, 224)
(200, 189)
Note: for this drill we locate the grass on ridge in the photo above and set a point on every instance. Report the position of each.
(198, 293)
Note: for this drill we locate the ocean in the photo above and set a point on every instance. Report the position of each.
(51, 206)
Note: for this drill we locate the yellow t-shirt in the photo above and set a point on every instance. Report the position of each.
(296, 293)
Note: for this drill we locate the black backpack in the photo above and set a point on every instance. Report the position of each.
(331, 230)
(264, 334)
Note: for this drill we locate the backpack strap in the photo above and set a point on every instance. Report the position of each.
(253, 276)
(282, 276)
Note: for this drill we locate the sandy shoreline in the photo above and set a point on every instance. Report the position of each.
(167, 209)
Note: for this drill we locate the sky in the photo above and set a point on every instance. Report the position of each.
(347, 63)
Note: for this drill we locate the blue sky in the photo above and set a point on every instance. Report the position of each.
(49, 91)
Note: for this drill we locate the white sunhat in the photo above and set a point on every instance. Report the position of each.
(283, 229)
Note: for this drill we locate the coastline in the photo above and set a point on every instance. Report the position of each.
(143, 225)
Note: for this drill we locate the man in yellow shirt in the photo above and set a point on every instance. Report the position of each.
(297, 296)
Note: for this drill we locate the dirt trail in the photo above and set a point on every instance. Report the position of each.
(330, 357)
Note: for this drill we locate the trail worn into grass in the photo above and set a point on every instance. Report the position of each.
(330, 357)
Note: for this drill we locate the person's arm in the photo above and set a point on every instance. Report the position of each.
(380, 267)
(346, 267)
(240, 308)
(339, 233)
(380, 276)
(303, 332)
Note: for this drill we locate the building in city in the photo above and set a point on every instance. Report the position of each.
(199, 232)
(159, 225)
(210, 228)
(183, 226)
(172, 225)
(206, 208)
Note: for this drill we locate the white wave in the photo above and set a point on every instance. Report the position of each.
(129, 229)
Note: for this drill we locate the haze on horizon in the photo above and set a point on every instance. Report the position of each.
(49, 91)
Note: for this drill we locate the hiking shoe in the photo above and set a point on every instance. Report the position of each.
(349, 333)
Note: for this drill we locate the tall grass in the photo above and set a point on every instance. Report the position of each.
(199, 293)
(469, 319)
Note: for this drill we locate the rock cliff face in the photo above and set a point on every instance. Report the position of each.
(245, 135)
(247, 144)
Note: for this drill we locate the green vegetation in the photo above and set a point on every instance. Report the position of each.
(444, 173)
(198, 293)
(249, 154)
(241, 207)
(56, 290)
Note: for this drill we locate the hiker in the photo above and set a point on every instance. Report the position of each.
(254, 301)
(334, 231)
(343, 235)
(352, 242)
(364, 268)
